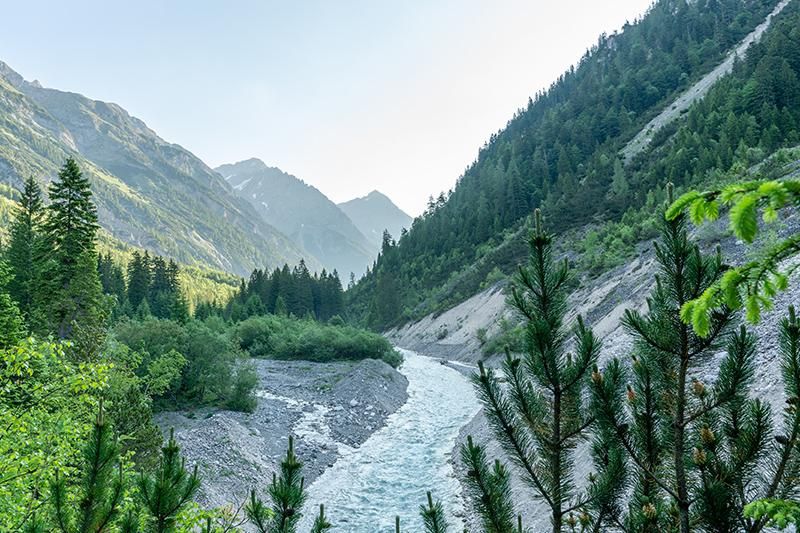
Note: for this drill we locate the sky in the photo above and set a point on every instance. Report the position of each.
(350, 96)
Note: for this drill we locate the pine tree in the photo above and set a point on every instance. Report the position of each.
(783, 466)
(321, 523)
(169, 489)
(287, 496)
(101, 489)
(24, 248)
(692, 447)
(489, 489)
(541, 416)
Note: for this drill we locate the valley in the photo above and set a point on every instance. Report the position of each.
(593, 329)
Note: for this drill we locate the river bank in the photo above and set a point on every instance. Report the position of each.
(330, 408)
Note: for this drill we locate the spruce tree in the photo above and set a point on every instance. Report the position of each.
(139, 276)
(24, 249)
(70, 229)
(692, 447)
(169, 489)
(540, 417)
(102, 486)
(72, 218)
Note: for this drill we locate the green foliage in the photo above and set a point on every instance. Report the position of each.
(168, 490)
(281, 337)
(25, 247)
(12, 328)
(690, 448)
(287, 496)
(102, 486)
(47, 403)
(488, 488)
(433, 516)
(288, 291)
(187, 363)
(778, 513)
(753, 285)
(540, 416)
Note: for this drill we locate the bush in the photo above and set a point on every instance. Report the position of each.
(280, 337)
(211, 373)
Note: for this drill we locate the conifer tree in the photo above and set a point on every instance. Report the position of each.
(168, 490)
(321, 523)
(101, 489)
(112, 278)
(541, 416)
(488, 488)
(287, 496)
(72, 218)
(783, 465)
(24, 249)
(692, 447)
(70, 229)
(138, 278)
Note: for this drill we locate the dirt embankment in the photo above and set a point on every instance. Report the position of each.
(328, 407)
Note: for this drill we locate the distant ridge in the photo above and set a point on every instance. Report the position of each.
(302, 212)
(150, 193)
(374, 213)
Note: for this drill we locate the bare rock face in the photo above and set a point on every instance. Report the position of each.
(326, 406)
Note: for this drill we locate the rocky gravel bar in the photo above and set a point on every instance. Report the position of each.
(327, 407)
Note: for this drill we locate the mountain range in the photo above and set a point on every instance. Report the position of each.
(374, 213)
(341, 237)
(157, 195)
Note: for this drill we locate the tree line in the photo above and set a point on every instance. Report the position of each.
(286, 291)
(562, 152)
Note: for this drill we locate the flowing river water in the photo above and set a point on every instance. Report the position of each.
(391, 472)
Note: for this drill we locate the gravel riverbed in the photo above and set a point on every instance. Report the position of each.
(327, 407)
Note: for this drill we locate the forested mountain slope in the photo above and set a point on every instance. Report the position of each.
(374, 213)
(562, 152)
(150, 193)
(303, 213)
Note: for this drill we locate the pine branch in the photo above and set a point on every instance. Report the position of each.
(499, 414)
(489, 489)
(433, 516)
(321, 523)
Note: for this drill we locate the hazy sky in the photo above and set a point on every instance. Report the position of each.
(350, 96)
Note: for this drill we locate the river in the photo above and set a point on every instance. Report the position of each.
(391, 471)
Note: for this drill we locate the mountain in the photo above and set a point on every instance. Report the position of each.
(303, 213)
(149, 192)
(374, 213)
(587, 154)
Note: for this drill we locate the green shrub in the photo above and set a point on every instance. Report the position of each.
(280, 337)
